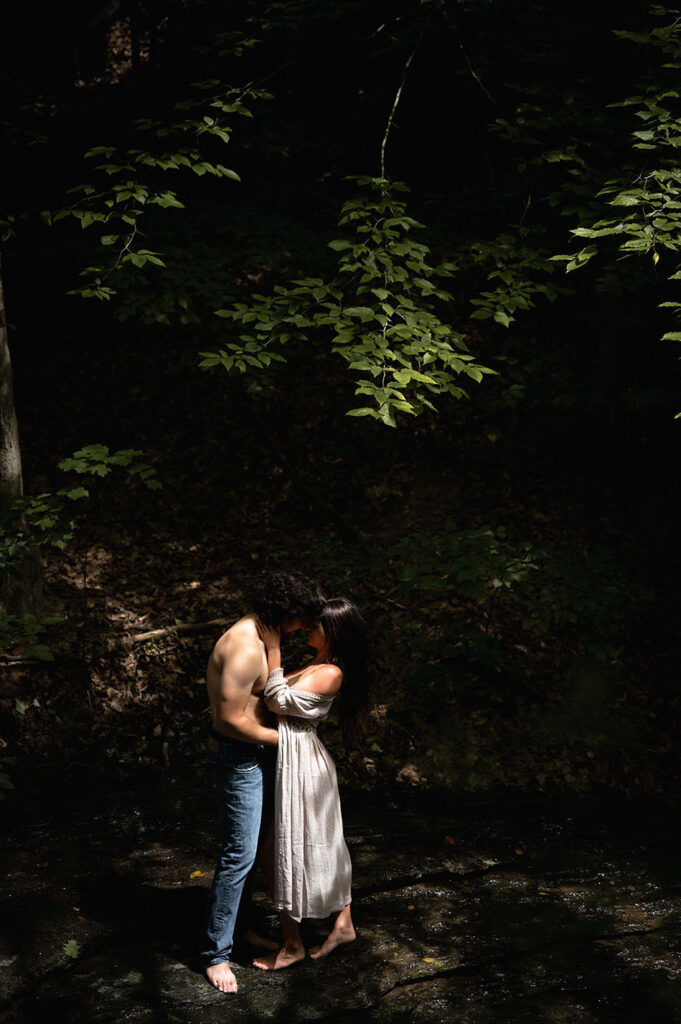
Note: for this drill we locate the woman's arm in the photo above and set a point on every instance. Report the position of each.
(324, 680)
(276, 693)
(272, 641)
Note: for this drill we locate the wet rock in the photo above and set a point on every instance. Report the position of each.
(108, 989)
(383, 858)
(480, 916)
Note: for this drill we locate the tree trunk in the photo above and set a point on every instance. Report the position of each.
(11, 481)
(21, 592)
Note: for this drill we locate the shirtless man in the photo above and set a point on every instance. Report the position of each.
(241, 752)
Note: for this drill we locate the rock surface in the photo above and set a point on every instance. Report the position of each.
(520, 911)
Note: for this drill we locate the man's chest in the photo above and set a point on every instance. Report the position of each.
(261, 682)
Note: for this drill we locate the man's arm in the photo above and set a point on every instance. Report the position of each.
(239, 672)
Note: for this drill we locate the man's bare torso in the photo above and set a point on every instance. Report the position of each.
(242, 633)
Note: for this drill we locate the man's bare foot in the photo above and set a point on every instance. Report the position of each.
(337, 937)
(287, 956)
(259, 941)
(222, 977)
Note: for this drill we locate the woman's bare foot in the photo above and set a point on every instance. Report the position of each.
(222, 977)
(287, 956)
(259, 941)
(337, 937)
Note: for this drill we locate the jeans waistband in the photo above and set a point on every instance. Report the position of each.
(227, 743)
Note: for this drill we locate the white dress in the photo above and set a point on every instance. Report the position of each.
(312, 870)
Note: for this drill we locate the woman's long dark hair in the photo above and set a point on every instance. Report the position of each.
(344, 628)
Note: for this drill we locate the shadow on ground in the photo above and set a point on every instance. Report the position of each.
(509, 912)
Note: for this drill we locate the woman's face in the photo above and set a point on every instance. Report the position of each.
(315, 636)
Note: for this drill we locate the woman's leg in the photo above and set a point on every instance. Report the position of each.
(292, 950)
(343, 931)
(265, 859)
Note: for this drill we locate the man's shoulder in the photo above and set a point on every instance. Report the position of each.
(240, 641)
(237, 628)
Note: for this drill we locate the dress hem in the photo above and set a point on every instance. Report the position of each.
(313, 917)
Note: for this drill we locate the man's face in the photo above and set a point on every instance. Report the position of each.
(289, 626)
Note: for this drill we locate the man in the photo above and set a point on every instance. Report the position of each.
(241, 752)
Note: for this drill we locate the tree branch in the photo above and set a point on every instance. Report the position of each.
(398, 94)
(190, 627)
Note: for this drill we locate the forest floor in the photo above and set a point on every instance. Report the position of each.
(466, 911)
(288, 481)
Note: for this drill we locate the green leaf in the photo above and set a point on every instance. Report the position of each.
(40, 651)
(72, 949)
(387, 415)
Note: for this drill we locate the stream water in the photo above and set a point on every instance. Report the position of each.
(469, 911)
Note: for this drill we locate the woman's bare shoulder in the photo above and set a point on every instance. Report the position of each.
(323, 679)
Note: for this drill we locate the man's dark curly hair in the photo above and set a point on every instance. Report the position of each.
(286, 595)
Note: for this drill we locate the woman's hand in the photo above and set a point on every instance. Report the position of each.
(270, 637)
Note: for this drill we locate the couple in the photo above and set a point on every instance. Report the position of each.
(276, 783)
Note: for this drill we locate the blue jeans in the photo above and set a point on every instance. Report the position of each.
(243, 774)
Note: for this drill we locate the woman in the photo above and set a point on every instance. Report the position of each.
(312, 870)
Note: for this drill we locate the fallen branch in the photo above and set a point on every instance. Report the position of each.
(190, 627)
(23, 661)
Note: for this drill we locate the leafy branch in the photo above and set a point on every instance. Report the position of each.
(647, 198)
(516, 261)
(27, 633)
(381, 310)
(47, 519)
(127, 182)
